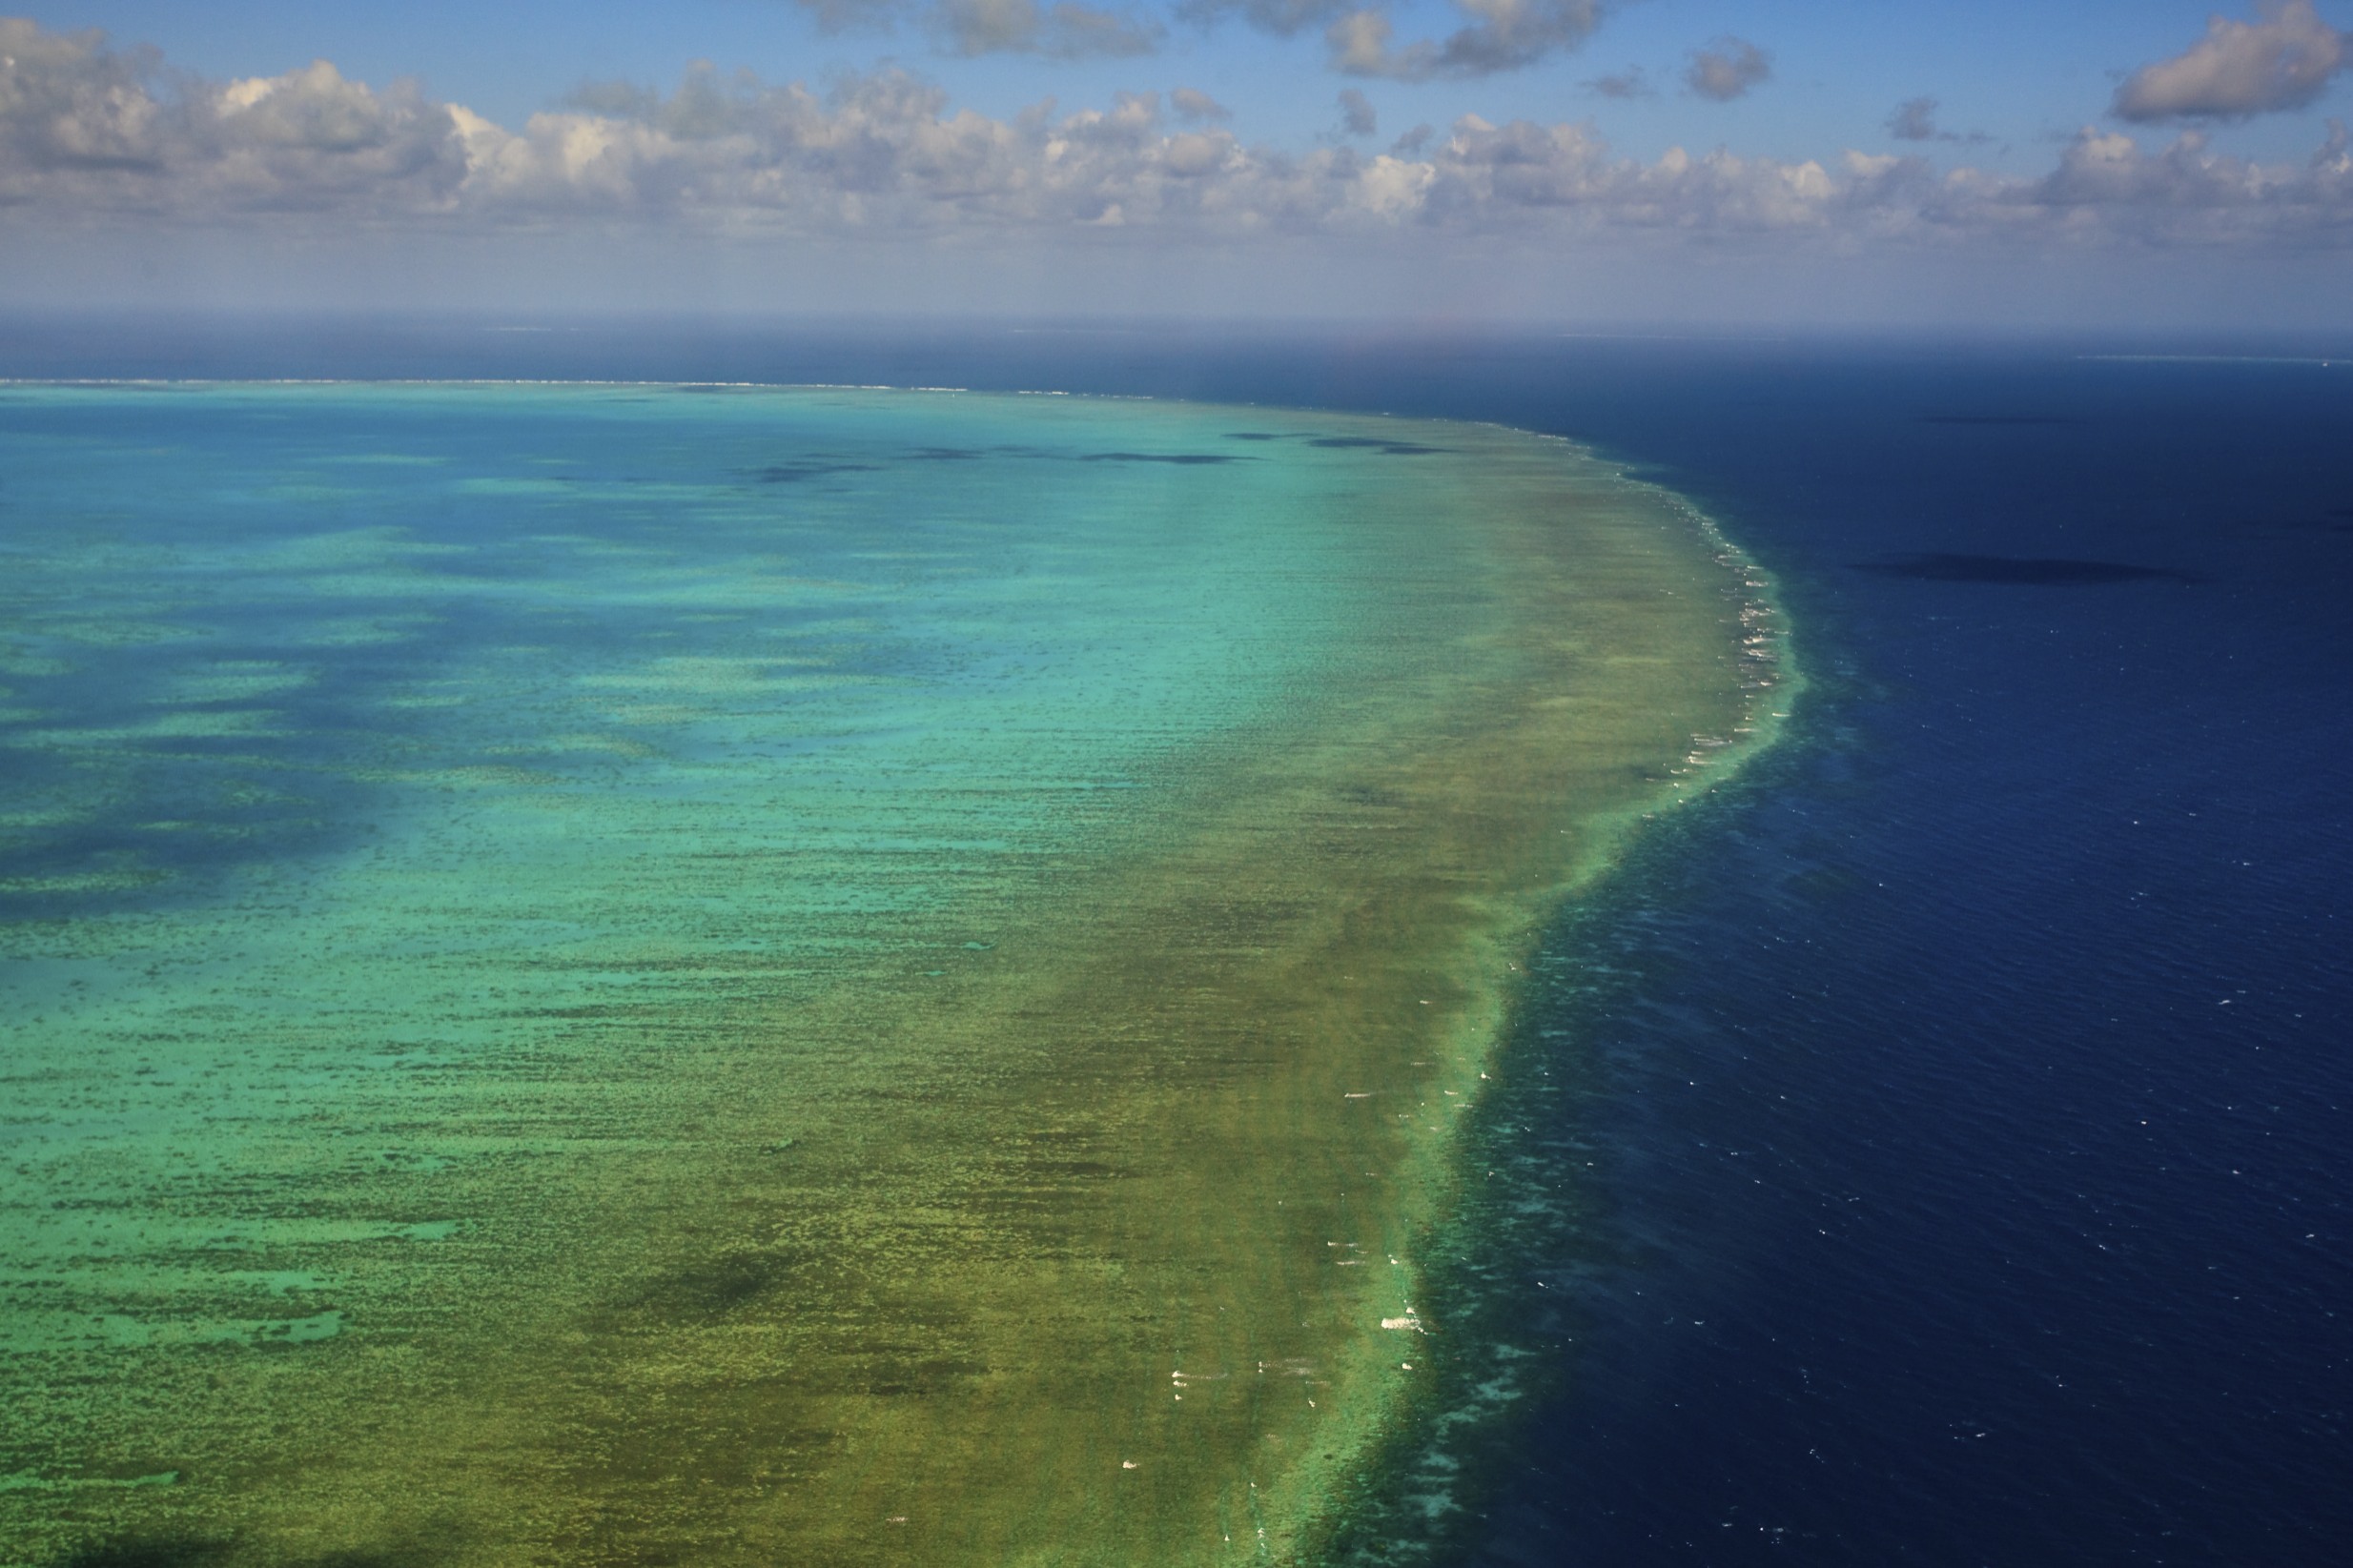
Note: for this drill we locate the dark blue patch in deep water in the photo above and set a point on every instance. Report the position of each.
(1944, 566)
(1998, 419)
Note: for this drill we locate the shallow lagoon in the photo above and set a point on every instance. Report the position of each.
(647, 973)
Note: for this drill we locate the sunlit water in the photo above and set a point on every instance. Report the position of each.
(1873, 1174)
(699, 973)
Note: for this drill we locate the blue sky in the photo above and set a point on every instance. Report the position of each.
(2026, 73)
(2023, 162)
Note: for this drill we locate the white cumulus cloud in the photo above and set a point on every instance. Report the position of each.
(84, 125)
(2283, 61)
(94, 136)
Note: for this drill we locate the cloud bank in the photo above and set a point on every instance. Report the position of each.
(2240, 69)
(94, 136)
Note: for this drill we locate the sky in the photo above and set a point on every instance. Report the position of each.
(1995, 164)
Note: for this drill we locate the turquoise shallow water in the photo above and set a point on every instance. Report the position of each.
(368, 749)
(631, 974)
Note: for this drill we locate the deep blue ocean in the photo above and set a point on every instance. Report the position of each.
(1946, 1127)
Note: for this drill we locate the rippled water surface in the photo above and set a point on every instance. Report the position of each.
(1933, 1150)
(718, 973)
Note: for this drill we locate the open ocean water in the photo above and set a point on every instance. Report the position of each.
(1934, 1147)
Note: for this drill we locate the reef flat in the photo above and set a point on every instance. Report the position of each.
(643, 974)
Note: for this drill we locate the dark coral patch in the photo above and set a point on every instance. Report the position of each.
(795, 473)
(1387, 449)
(1186, 459)
(212, 1552)
(717, 1286)
(149, 1551)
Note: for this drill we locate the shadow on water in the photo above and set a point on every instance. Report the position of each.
(2001, 419)
(712, 1289)
(1936, 566)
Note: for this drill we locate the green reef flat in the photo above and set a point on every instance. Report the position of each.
(638, 976)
